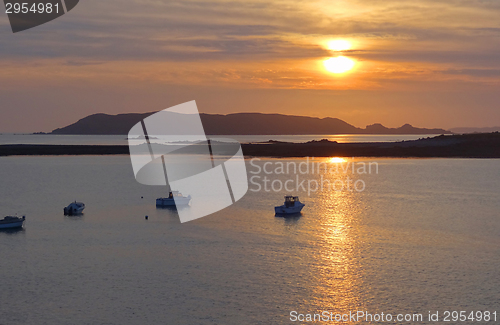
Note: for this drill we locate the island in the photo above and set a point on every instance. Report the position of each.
(240, 124)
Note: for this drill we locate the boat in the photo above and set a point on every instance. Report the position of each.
(175, 198)
(74, 208)
(12, 222)
(292, 205)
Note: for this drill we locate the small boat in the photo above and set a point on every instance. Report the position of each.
(74, 208)
(175, 198)
(12, 222)
(292, 205)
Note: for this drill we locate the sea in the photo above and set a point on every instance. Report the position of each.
(416, 239)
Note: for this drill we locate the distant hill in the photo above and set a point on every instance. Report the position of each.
(104, 124)
(475, 130)
(405, 129)
(240, 124)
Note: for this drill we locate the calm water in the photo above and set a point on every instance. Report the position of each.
(423, 236)
(122, 140)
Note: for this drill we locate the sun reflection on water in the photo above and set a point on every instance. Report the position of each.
(338, 267)
(337, 160)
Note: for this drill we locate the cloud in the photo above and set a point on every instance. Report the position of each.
(200, 41)
(81, 63)
(242, 30)
(492, 73)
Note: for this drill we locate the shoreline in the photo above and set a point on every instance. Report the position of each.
(482, 145)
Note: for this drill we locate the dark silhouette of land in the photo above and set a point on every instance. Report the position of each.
(475, 130)
(483, 145)
(240, 124)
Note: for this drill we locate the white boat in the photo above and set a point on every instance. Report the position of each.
(292, 205)
(175, 198)
(74, 208)
(12, 222)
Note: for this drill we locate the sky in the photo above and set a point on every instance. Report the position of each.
(428, 63)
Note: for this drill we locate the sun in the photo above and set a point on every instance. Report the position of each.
(339, 64)
(338, 45)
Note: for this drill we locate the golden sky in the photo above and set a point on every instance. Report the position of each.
(428, 63)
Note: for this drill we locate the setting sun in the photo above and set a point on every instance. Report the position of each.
(339, 45)
(338, 64)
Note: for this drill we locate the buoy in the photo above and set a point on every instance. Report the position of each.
(142, 197)
(146, 217)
